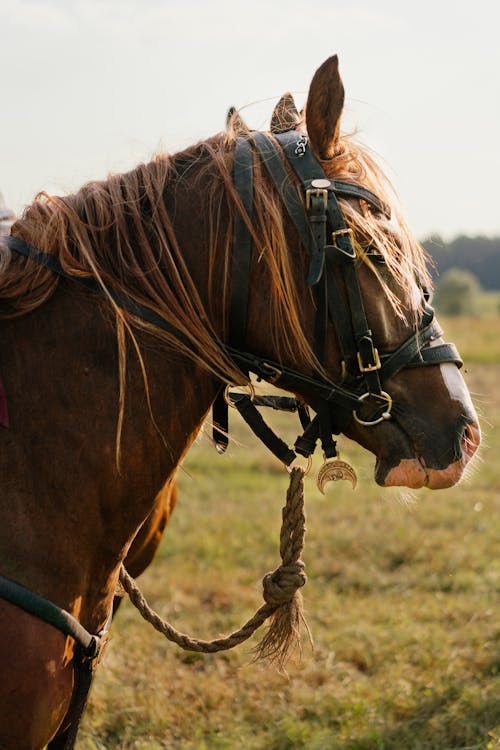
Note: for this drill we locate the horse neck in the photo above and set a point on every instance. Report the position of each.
(83, 498)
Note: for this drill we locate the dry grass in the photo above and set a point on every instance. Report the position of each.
(402, 600)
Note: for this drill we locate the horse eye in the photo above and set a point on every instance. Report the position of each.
(375, 255)
(428, 294)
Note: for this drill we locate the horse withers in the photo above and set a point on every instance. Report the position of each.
(125, 311)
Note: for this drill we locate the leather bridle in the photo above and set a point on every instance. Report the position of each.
(316, 214)
(321, 226)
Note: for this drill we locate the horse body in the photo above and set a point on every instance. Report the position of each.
(72, 510)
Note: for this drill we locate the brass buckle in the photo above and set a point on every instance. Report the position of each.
(370, 368)
(319, 192)
(276, 373)
(383, 417)
(340, 233)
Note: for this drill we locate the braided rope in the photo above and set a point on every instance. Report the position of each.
(283, 600)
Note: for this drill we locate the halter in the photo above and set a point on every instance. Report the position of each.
(321, 226)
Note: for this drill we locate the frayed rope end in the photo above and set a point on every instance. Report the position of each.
(284, 636)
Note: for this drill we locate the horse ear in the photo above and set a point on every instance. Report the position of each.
(325, 103)
(235, 122)
(285, 116)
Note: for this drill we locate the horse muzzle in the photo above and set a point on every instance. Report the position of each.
(418, 471)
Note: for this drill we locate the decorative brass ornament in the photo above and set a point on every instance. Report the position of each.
(333, 471)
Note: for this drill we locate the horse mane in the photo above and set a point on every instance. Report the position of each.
(404, 256)
(120, 232)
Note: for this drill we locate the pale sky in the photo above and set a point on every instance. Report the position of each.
(93, 86)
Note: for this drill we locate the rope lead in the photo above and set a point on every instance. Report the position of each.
(283, 600)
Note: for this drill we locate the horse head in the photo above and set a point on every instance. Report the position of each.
(431, 429)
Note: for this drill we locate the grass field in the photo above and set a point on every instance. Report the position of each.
(402, 600)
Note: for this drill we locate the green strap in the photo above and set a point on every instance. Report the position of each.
(50, 613)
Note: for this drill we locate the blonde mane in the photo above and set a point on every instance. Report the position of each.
(119, 231)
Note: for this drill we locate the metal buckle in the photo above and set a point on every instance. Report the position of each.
(372, 367)
(340, 233)
(276, 373)
(383, 417)
(319, 192)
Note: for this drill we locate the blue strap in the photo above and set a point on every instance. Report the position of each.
(50, 613)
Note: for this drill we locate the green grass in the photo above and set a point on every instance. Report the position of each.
(402, 600)
(478, 338)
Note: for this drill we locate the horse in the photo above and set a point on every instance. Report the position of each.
(126, 311)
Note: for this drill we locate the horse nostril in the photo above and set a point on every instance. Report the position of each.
(470, 440)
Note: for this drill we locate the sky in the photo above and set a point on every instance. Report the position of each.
(90, 87)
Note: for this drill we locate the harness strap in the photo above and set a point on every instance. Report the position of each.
(416, 353)
(240, 276)
(65, 739)
(90, 645)
(220, 422)
(352, 190)
(261, 429)
(242, 245)
(437, 355)
(88, 649)
(339, 313)
(368, 362)
(121, 300)
(286, 189)
(272, 372)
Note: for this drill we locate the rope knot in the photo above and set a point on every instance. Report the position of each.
(280, 585)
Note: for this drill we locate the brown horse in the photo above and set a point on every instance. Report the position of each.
(104, 402)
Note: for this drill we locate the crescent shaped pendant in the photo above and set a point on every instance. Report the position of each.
(333, 471)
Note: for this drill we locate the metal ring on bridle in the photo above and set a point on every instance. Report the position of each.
(227, 399)
(307, 468)
(385, 414)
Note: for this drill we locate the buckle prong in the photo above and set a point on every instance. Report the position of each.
(375, 365)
